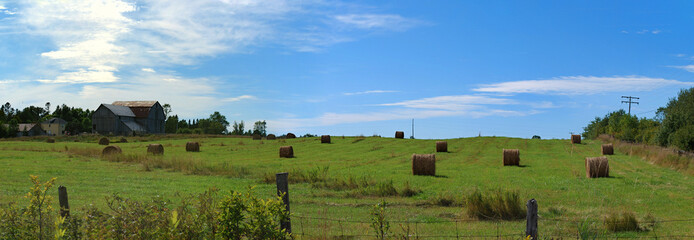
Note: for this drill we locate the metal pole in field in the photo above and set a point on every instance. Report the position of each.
(283, 191)
(62, 198)
(531, 219)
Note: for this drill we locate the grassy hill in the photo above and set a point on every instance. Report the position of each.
(342, 180)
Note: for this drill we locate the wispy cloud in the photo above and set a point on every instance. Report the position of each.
(148, 70)
(329, 119)
(573, 85)
(453, 103)
(369, 92)
(377, 21)
(689, 68)
(239, 98)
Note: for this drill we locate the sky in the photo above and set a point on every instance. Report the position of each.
(458, 68)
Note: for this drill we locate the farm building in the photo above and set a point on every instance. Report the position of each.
(129, 118)
(29, 129)
(54, 126)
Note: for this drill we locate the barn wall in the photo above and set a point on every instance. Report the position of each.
(156, 119)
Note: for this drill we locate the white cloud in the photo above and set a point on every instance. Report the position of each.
(239, 98)
(376, 21)
(581, 85)
(148, 70)
(369, 92)
(329, 119)
(689, 68)
(453, 103)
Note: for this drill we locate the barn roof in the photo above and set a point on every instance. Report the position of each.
(26, 126)
(119, 110)
(148, 104)
(134, 126)
(55, 121)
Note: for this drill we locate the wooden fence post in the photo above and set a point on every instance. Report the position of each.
(531, 219)
(283, 191)
(62, 198)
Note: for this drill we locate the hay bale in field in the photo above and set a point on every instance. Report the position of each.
(607, 149)
(50, 140)
(400, 134)
(155, 149)
(597, 167)
(257, 137)
(123, 140)
(111, 150)
(325, 139)
(192, 147)
(575, 138)
(424, 164)
(511, 157)
(290, 135)
(286, 152)
(441, 146)
(271, 137)
(104, 141)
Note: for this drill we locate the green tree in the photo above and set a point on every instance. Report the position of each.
(171, 124)
(237, 128)
(678, 113)
(260, 128)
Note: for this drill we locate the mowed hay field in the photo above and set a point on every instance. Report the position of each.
(344, 179)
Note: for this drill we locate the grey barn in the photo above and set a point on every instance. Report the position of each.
(129, 118)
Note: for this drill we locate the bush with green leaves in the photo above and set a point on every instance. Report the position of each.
(245, 216)
(379, 220)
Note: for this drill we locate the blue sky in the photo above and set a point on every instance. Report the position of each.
(459, 68)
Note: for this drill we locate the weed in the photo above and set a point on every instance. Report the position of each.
(621, 223)
(379, 221)
(500, 205)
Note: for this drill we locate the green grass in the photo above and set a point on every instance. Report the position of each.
(342, 180)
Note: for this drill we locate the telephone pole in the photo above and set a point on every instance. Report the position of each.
(412, 129)
(630, 101)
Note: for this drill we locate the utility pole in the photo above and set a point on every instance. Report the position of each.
(412, 137)
(630, 101)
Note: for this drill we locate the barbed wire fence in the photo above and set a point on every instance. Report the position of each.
(314, 231)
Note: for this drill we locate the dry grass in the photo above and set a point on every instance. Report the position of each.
(597, 167)
(511, 157)
(667, 157)
(424, 164)
(499, 205)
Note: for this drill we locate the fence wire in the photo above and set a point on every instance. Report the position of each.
(460, 229)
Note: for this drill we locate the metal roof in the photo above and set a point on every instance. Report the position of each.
(119, 110)
(135, 127)
(55, 121)
(135, 103)
(25, 126)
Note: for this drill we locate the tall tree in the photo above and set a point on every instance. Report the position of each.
(259, 127)
(237, 128)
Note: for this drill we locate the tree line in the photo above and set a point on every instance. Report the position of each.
(80, 120)
(673, 125)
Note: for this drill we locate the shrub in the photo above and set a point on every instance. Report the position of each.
(499, 205)
(626, 222)
(245, 215)
(379, 221)
(683, 138)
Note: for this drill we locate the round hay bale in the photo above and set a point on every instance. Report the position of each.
(271, 137)
(597, 167)
(441, 146)
(575, 138)
(400, 134)
(607, 149)
(192, 147)
(325, 139)
(155, 149)
(424, 164)
(257, 137)
(50, 140)
(104, 141)
(290, 135)
(286, 152)
(511, 157)
(123, 140)
(111, 150)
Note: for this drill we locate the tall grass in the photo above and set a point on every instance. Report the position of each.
(497, 205)
(667, 157)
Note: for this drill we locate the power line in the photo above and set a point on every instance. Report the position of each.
(630, 101)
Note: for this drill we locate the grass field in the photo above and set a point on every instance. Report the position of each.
(342, 180)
